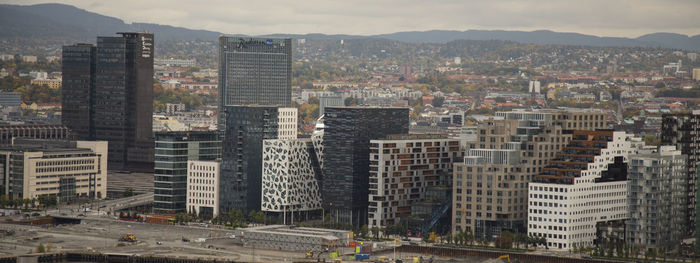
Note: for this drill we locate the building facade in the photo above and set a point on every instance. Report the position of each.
(657, 198)
(347, 133)
(173, 151)
(329, 101)
(203, 188)
(254, 71)
(401, 169)
(490, 186)
(683, 131)
(242, 165)
(582, 191)
(35, 131)
(108, 95)
(78, 89)
(64, 169)
(290, 176)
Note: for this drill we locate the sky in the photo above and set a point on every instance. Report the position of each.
(621, 18)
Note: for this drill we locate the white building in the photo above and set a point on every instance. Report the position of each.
(583, 186)
(203, 187)
(290, 176)
(287, 121)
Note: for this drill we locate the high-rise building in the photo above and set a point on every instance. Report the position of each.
(108, 95)
(241, 166)
(581, 194)
(401, 169)
(290, 178)
(254, 71)
(657, 193)
(173, 151)
(329, 101)
(78, 90)
(683, 131)
(64, 169)
(346, 136)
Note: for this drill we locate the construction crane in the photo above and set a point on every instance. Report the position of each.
(507, 257)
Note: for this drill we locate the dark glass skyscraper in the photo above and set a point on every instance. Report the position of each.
(683, 131)
(346, 135)
(254, 71)
(78, 68)
(173, 150)
(109, 96)
(241, 166)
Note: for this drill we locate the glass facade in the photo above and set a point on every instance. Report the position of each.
(254, 71)
(173, 150)
(346, 137)
(241, 167)
(78, 69)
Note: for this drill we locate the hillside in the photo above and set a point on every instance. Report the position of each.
(57, 24)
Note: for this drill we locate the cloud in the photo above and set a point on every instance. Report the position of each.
(627, 18)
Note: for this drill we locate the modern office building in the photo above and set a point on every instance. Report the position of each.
(683, 131)
(254, 71)
(173, 151)
(64, 169)
(108, 95)
(582, 193)
(401, 169)
(203, 187)
(347, 133)
(490, 186)
(290, 176)
(241, 167)
(35, 131)
(657, 198)
(78, 89)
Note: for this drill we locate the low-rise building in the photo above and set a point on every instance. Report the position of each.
(64, 169)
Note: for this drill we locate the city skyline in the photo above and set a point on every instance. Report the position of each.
(383, 17)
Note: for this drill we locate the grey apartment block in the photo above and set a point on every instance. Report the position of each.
(657, 198)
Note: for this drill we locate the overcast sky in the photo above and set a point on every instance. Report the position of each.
(626, 18)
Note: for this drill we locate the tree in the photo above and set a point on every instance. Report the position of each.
(40, 248)
(364, 231)
(129, 192)
(375, 232)
(438, 101)
(236, 217)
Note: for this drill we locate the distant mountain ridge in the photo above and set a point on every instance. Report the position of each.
(69, 23)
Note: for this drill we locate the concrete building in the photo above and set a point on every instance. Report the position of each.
(51, 83)
(347, 133)
(287, 121)
(172, 153)
(401, 169)
(172, 62)
(292, 238)
(657, 198)
(203, 187)
(35, 131)
(329, 101)
(490, 186)
(696, 74)
(582, 193)
(290, 176)
(254, 71)
(10, 99)
(65, 169)
(242, 165)
(683, 131)
(172, 108)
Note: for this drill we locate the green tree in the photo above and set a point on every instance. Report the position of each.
(129, 192)
(40, 248)
(364, 231)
